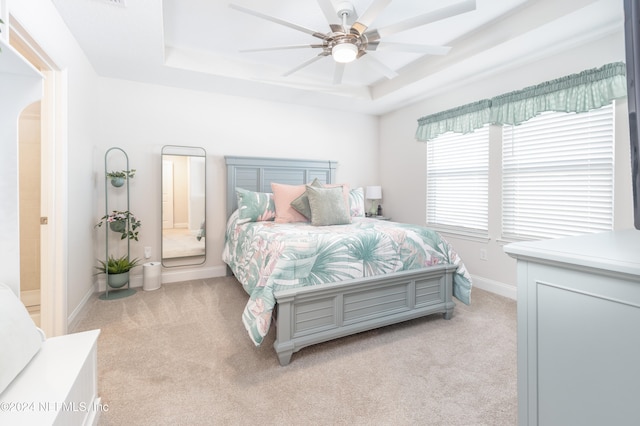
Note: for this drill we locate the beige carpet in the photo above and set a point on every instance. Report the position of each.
(180, 356)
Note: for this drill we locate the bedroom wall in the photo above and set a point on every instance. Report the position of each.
(141, 118)
(405, 193)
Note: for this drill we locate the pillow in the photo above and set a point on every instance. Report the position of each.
(20, 339)
(356, 202)
(255, 206)
(328, 206)
(283, 195)
(301, 204)
(345, 190)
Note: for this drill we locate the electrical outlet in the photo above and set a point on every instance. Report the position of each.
(147, 252)
(483, 254)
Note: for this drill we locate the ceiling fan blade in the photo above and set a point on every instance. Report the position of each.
(329, 12)
(408, 47)
(296, 46)
(338, 73)
(369, 15)
(304, 64)
(382, 68)
(278, 21)
(427, 18)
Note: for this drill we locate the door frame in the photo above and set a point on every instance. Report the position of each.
(53, 182)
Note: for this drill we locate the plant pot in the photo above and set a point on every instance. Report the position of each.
(117, 181)
(118, 280)
(118, 226)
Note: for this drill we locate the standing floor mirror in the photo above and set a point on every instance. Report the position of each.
(184, 180)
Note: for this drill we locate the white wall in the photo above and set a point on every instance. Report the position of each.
(141, 118)
(405, 193)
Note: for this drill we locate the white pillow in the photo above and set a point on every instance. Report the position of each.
(20, 339)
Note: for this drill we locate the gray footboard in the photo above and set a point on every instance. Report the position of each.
(315, 314)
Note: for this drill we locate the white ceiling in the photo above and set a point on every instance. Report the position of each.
(195, 44)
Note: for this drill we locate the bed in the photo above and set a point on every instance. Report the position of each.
(318, 283)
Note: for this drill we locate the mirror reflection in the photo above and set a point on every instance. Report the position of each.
(183, 205)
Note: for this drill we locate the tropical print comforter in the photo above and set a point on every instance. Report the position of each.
(266, 257)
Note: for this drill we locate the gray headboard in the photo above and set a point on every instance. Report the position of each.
(257, 173)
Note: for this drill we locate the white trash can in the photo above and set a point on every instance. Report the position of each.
(151, 275)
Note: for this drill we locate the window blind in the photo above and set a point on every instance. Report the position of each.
(458, 182)
(557, 175)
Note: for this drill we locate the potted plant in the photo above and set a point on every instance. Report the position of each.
(117, 221)
(118, 177)
(117, 270)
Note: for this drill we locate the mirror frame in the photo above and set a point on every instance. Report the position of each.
(184, 151)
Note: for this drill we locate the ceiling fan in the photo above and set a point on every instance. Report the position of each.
(346, 43)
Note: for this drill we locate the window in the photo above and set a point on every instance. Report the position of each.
(557, 175)
(458, 182)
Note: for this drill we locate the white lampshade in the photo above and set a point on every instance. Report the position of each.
(344, 52)
(374, 193)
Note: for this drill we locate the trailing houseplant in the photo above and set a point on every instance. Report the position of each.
(117, 221)
(118, 177)
(117, 270)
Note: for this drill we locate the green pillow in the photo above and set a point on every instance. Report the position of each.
(301, 204)
(328, 206)
(255, 206)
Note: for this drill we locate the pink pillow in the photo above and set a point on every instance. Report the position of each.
(283, 195)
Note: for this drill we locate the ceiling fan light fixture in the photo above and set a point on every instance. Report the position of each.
(344, 52)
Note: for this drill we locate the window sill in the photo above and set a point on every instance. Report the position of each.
(464, 235)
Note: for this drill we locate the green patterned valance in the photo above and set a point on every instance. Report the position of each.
(590, 89)
(463, 119)
(580, 92)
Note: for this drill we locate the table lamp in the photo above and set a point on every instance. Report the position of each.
(373, 193)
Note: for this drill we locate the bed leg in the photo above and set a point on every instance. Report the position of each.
(285, 357)
(284, 351)
(448, 313)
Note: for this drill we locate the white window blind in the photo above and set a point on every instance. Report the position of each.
(458, 182)
(557, 175)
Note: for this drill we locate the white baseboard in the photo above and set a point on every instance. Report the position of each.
(174, 275)
(73, 318)
(502, 289)
(30, 297)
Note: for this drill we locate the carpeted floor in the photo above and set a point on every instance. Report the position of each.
(180, 355)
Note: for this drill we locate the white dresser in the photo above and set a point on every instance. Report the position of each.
(579, 330)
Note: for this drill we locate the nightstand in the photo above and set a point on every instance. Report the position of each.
(380, 217)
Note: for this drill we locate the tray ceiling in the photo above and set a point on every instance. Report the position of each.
(195, 44)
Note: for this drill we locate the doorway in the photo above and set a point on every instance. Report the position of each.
(41, 140)
(29, 171)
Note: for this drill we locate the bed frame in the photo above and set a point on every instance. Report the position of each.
(310, 315)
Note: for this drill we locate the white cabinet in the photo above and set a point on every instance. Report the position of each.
(579, 329)
(58, 387)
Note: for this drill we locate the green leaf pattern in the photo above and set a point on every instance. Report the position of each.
(266, 257)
